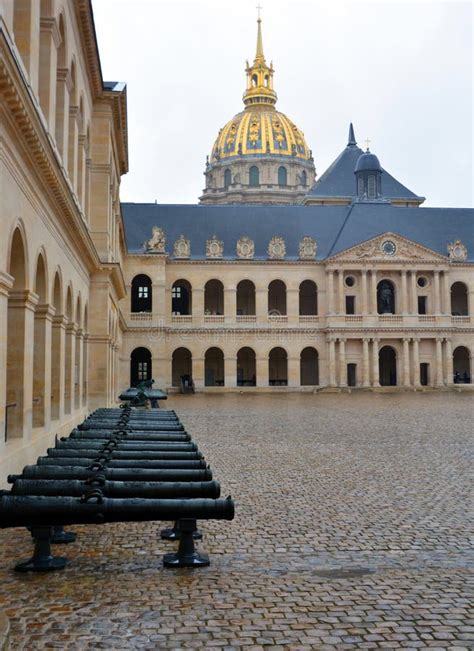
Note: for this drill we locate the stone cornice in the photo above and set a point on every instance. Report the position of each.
(49, 24)
(6, 282)
(85, 21)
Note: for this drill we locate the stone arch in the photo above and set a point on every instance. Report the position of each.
(181, 367)
(57, 345)
(18, 393)
(78, 352)
(277, 297)
(246, 367)
(40, 284)
(69, 354)
(214, 297)
(308, 298)
(386, 295)
(278, 367)
(182, 297)
(41, 374)
(254, 176)
(245, 300)
(309, 366)
(388, 366)
(459, 299)
(214, 367)
(140, 365)
(141, 294)
(282, 176)
(462, 365)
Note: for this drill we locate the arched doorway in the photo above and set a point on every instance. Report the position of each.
(387, 366)
(40, 341)
(309, 367)
(277, 298)
(278, 367)
(141, 300)
(462, 365)
(16, 337)
(214, 297)
(140, 366)
(246, 368)
(308, 296)
(181, 367)
(245, 298)
(181, 298)
(214, 368)
(459, 300)
(385, 297)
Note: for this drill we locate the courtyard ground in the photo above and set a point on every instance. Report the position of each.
(351, 532)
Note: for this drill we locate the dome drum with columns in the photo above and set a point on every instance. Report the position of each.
(260, 155)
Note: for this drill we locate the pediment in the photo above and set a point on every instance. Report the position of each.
(387, 248)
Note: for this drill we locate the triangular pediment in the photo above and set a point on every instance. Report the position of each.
(389, 247)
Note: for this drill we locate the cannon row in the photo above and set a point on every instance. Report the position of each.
(124, 465)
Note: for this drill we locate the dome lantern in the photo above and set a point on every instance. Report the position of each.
(259, 78)
(368, 172)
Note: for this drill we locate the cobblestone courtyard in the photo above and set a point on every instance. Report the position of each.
(351, 532)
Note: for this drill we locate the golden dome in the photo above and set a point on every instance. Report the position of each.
(263, 131)
(260, 129)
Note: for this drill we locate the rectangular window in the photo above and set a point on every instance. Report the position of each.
(176, 292)
(143, 292)
(142, 370)
(350, 304)
(352, 375)
(422, 304)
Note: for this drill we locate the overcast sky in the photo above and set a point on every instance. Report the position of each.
(401, 71)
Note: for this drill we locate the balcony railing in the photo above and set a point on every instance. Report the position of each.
(308, 318)
(141, 316)
(426, 318)
(277, 318)
(182, 318)
(246, 318)
(353, 318)
(461, 319)
(390, 318)
(214, 318)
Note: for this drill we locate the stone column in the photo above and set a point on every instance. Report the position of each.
(416, 362)
(261, 304)
(72, 146)
(294, 379)
(49, 43)
(363, 291)
(42, 366)
(58, 371)
(406, 362)
(439, 362)
(261, 364)
(365, 363)
(375, 363)
(230, 371)
(342, 363)
(340, 292)
(436, 290)
(446, 294)
(413, 294)
(330, 293)
(80, 369)
(332, 362)
(70, 357)
(161, 303)
(373, 309)
(448, 356)
(470, 302)
(6, 283)
(198, 372)
(404, 296)
(81, 173)
(85, 369)
(230, 304)
(63, 88)
(198, 305)
(293, 305)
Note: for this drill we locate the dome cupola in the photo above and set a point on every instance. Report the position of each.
(368, 172)
(260, 155)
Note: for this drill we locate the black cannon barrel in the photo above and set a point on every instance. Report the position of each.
(92, 453)
(117, 474)
(163, 464)
(141, 426)
(31, 510)
(136, 436)
(135, 446)
(76, 488)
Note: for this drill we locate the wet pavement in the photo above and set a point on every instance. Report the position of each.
(351, 532)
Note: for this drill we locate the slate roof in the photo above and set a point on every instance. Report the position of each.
(339, 179)
(335, 228)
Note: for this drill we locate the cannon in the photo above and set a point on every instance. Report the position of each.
(129, 436)
(138, 425)
(118, 474)
(124, 445)
(41, 513)
(163, 464)
(112, 453)
(155, 490)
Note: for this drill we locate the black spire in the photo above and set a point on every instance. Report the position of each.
(351, 141)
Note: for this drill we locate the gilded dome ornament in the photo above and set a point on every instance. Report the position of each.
(182, 248)
(308, 248)
(457, 251)
(214, 248)
(276, 248)
(157, 242)
(245, 248)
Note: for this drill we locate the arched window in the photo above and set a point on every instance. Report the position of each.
(181, 298)
(254, 176)
(371, 186)
(141, 294)
(227, 178)
(385, 297)
(254, 81)
(360, 186)
(309, 367)
(461, 365)
(246, 368)
(245, 298)
(182, 369)
(214, 368)
(304, 178)
(277, 367)
(387, 366)
(459, 303)
(308, 296)
(214, 297)
(277, 298)
(140, 366)
(282, 176)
